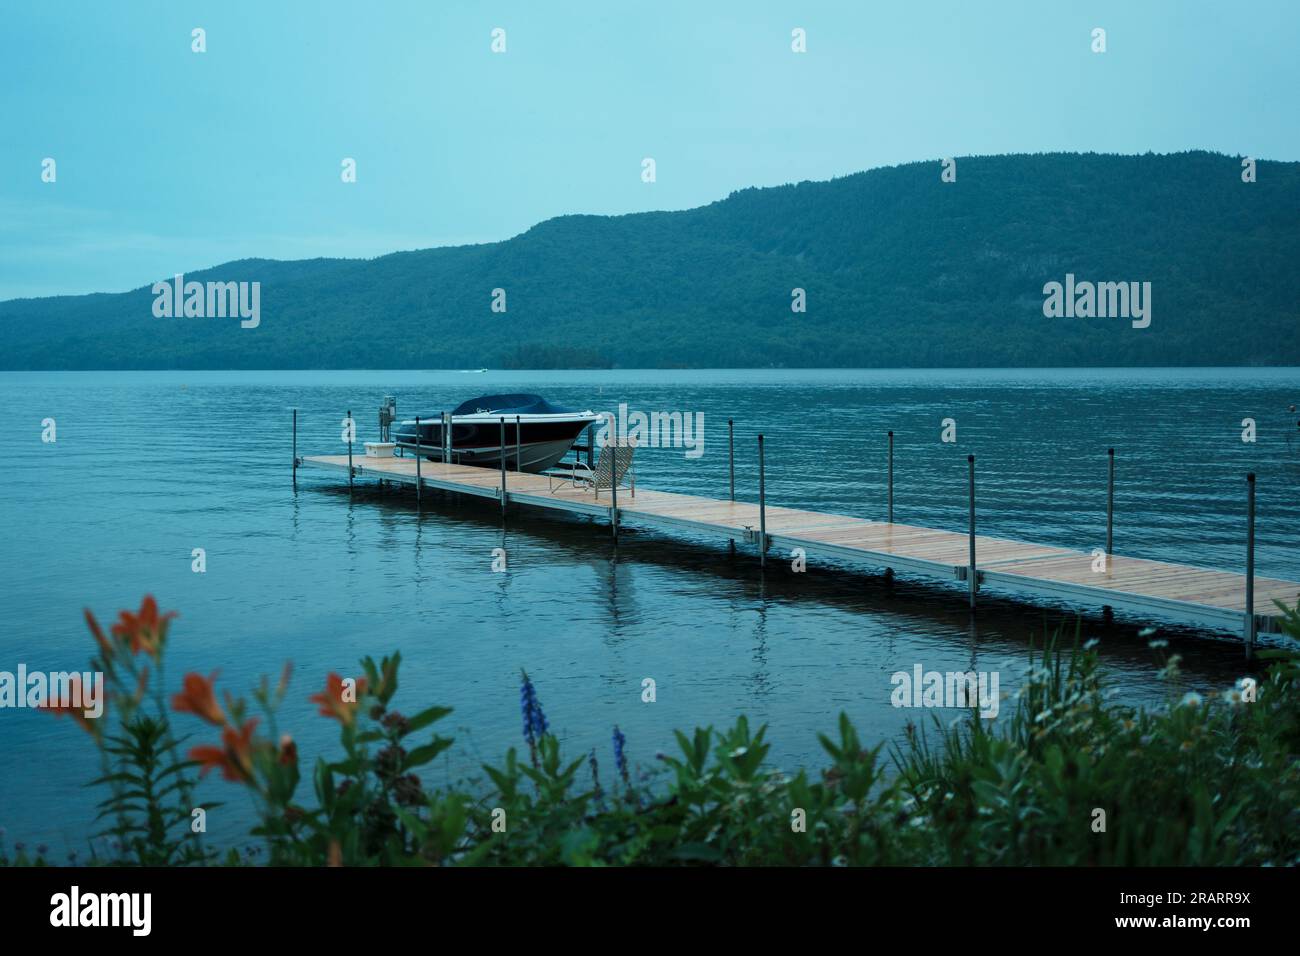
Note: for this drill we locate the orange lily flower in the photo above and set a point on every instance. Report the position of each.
(146, 629)
(76, 712)
(234, 758)
(332, 703)
(198, 698)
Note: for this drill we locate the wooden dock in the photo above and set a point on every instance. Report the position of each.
(1199, 596)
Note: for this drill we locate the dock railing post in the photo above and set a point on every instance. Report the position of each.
(1110, 502)
(350, 436)
(613, 487)
(295, 448)
(731, 455)
(419, 482)
(503, 466)
(971, 574)
(891, 477)
(1250, 565)
(731, 471)
(762, 508)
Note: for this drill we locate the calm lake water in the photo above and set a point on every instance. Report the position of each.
(149, 466)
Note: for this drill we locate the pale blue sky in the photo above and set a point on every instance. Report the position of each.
(170, 160)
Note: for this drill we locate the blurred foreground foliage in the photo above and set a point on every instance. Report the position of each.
(1067, 777)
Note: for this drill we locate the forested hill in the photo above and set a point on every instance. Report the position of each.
(899, 269)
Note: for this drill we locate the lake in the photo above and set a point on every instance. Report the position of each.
(148, 466)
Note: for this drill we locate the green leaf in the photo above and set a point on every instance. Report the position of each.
(426, 717)
(422, 755)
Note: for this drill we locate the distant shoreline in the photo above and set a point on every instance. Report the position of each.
(563, 375)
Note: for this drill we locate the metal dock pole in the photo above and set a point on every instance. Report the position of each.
(1250, 565)
(295, 449)
(446, 438)
(971, 574)
(419, 482)
(762, 508)
(731, 470)
(519, 465)
(503, 466)
(613, 489)
(731, 455)
(350, 451)
(1110, 502)
(891, 477)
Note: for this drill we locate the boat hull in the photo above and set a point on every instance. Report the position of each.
(529, 445)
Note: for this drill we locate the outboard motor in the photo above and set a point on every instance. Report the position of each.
(387, 415)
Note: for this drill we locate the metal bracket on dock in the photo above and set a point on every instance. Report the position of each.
(752, 535)
(962, 573)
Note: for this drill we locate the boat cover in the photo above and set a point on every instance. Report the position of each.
(511, 404)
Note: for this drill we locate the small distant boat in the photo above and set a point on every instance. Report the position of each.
(537, 433)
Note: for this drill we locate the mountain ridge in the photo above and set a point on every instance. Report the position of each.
(899, 270)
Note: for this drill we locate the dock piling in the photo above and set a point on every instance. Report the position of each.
(295, 449)
(731, 470)
(519, 464)
(731, 455)
(350, 437)
(972, 575)
(1250, 565)
(1110, 502)
(503, 466)
(419, 481)
(891, 477)
(762, 508)
(613, 489)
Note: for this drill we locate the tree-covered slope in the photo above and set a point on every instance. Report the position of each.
(899, 268)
